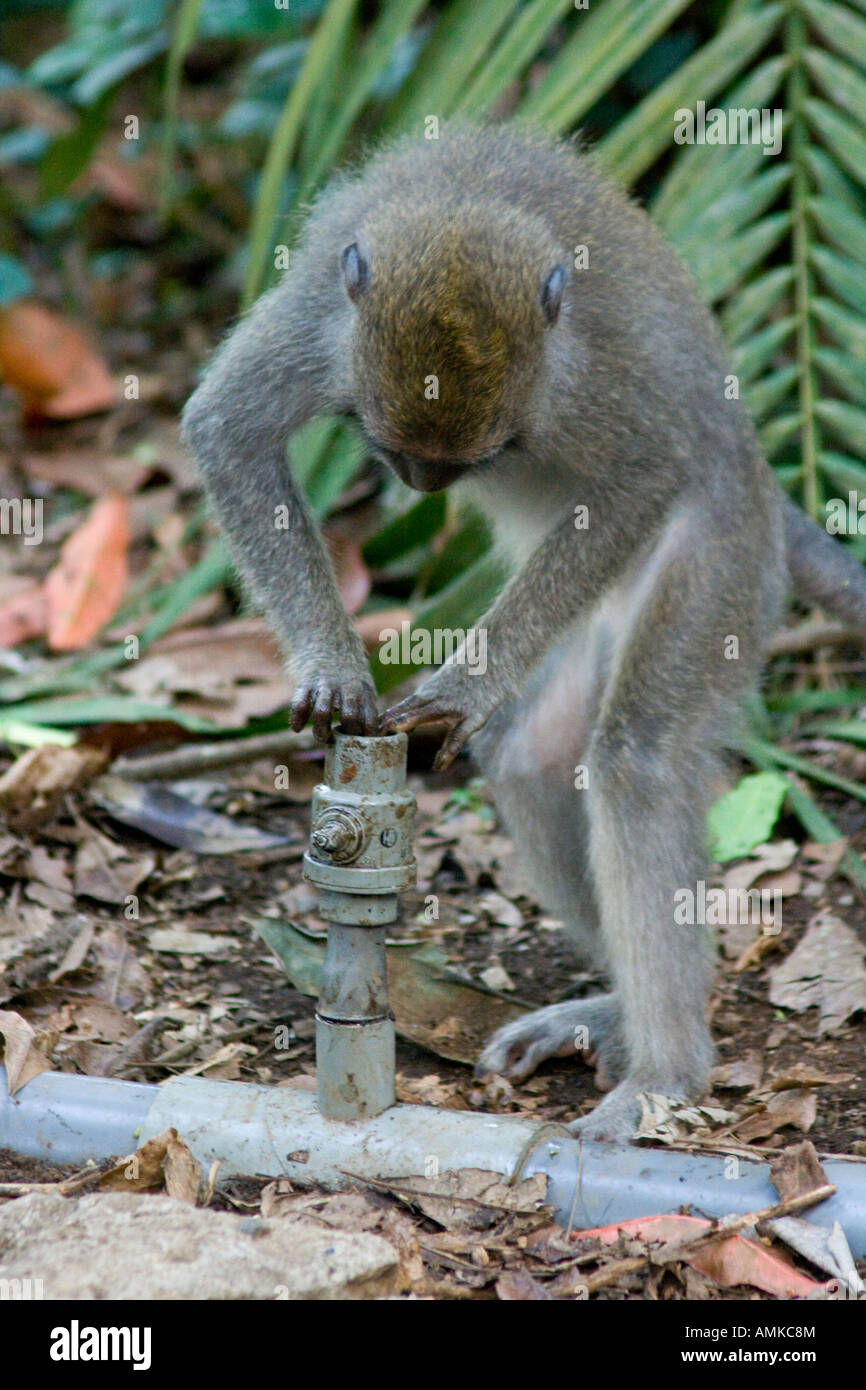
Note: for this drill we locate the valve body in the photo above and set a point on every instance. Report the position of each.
(360, 858)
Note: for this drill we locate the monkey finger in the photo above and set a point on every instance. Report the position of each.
(407, 715)
(322, 714)
(358, 712)
(369, 713)
(302, 703)
(453, 742)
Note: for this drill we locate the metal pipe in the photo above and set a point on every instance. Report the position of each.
(360, 858)
(276, 1132)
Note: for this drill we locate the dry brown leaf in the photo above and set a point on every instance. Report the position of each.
(87, 471)
(22, 1056)
(75, 952)
(742, 1074)
(803, 1074)
(797, 1171)
(33, 788)
(143, 1171)
(182, 1171)
(825, 971)
(87, 583)
(107, 871)
(797, 1108)
(353, 577)
(50, 364)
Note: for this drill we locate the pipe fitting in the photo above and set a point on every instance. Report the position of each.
(360, 857)
(363, 824)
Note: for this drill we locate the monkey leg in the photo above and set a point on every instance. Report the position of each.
(531, 752)
(652, 766)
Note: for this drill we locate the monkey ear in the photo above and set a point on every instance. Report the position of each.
(551, 293)
(356, 270)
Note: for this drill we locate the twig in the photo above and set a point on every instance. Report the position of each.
(201, 757)
(809, 636)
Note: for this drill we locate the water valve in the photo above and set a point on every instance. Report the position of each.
(360, 858)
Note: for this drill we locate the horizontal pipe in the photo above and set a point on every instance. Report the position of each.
(278, 1132)
(64, 1118)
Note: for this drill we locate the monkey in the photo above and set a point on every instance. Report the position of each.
(500, 319)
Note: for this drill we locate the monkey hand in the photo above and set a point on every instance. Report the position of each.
(322, 697)
(449, 696)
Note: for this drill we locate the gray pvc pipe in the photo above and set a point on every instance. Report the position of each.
(72, 1119)
(278, 1132)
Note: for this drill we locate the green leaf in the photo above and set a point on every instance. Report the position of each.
(843, 137)
(405, 533)
(457, 47)
(604, 44)
(843, 277)
(638, 140)
(183, 37)
(394, 22)
(844, 472)
(842, 85)
(106, 709)
(841, 225)
(69, 155)
(511, 56)
(851, 730)
(744, 817)
(846, 422)
(325, 44)
(748, 306)
(702, 173)
(457, 606)
(19, 733)
(843, 30)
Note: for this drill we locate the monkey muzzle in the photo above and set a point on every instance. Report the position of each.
(427, 475)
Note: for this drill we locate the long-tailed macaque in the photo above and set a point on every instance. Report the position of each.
(501, 320)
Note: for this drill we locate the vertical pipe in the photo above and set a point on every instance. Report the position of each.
(360, 857)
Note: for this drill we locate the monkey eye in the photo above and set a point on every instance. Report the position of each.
(356, 270)
(551, 293)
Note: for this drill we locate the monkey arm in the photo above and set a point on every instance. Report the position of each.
(563, 578)
(264, 384)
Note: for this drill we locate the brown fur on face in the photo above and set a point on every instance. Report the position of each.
(455, 295)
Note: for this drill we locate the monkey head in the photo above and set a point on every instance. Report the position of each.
(452, 306)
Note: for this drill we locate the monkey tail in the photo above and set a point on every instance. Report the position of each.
(822, 570)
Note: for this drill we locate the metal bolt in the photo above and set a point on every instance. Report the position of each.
(339, 834)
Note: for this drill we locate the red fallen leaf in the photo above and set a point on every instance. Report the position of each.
(52, 367)
(353, 577)
(371, 625)
(728, 1262)
(88, 581)
(23, 615)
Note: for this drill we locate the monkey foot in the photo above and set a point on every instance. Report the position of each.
(579, 1027)
(617, 1117)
